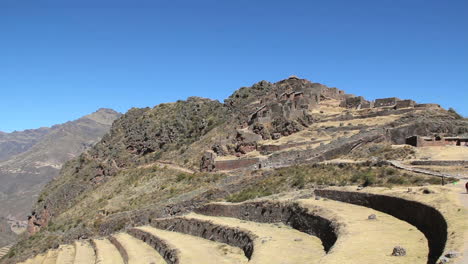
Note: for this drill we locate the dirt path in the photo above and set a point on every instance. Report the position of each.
(295, 246)
(194, 250)
(168, 165)
(399, 165)
(370, 241)
(138, 251)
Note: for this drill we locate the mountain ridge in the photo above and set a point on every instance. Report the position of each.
(258, 142)
(24, 173)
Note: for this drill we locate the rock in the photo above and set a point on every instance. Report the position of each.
(276, 136)
(427, 191)
(372, 217)
(317, 198)
(208, 160)
(246, 136)
(399, 251)
(220, 150)
(452, 254)
(360, 188)
(443, 260)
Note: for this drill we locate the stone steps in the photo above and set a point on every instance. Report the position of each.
(66, 254)
(191, 249)
(106, 252)
(84, 253)
(137, 251)
(295, 246)
(51, 257)
(4, 250)
(307, 230)
(376, 237)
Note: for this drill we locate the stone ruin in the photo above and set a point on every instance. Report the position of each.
(293, 99)
(358, 102)
(273, 110)
(419, 141)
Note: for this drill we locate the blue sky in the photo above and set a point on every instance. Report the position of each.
(59, 61)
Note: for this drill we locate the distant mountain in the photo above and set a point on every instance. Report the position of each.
(19, 141)
(31, 158)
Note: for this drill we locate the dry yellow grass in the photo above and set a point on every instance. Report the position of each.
(295, 246)
(370, 241)
(373, 121)
(51, 257)
(66, 254)
(442, 153)
(107, 253)
(195, 250)
(138, 251)
(446, 199)
(84, 253)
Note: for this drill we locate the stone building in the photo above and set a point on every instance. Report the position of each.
(357, 102)
(386, 102)
(405, 104)
(293, 99)
(419, 141)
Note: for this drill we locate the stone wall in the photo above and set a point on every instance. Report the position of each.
(171, 255)
(426, 218)
(405, 104)
(427, 105)
(386, 102)
(205, 229)
(418, 141)
(356, 103)
(268, 212)
(220, 165)
(440, 162)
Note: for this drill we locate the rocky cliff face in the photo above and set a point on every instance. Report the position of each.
(40, 155)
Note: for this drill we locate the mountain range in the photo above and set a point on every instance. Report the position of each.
(31, 158)
(169, 160)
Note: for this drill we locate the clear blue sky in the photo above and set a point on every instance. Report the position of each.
(59, 61)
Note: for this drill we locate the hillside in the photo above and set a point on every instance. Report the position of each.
(7, 236)
(39, 155)
(19, 141)
(265, 140)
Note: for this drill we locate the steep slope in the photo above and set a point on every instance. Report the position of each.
(235, 148)
(6, 235)
(22, 176)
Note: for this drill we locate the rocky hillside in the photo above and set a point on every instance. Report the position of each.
(263, 140)
(34, 157)
(7, 236)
